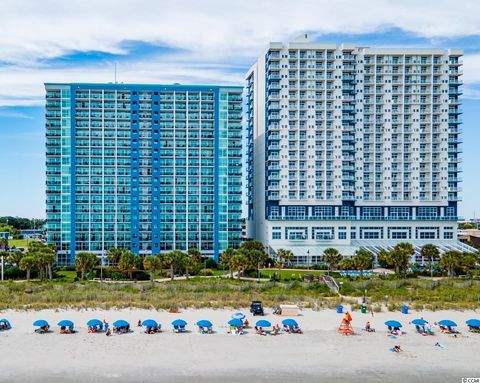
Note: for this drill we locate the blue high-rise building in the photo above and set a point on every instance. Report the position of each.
(151, 168)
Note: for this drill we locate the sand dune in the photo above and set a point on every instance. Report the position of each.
(321, 354)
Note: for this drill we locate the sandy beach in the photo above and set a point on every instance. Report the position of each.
(319, 355)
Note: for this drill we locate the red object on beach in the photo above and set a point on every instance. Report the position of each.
(345, 328)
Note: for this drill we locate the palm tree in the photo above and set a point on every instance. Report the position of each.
(283, 256)
(127, 263)
(85, 262)
(400, 256)
(14, 258)
(332, 257)
(239, 263)
(188, 264)
(346, 264)
(152, 264)
(431, 253)
(450, 260)
(195, 255)
(27, 263)
(114, 254)
(227, 259)
(44, 256)
(172, 260)
(383, 257)
(363, 260)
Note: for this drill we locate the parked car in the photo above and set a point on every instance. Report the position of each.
(256, 308)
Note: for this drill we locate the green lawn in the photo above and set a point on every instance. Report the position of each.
(290, 274)
(19, 242)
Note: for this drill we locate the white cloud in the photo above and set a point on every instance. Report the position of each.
(210, 31)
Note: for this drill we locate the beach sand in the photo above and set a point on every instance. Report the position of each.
(319, 355)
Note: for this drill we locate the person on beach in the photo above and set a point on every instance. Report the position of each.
(108, 332)
(139, 323)
(396, 348)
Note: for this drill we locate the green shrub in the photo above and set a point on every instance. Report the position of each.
(206, 272)
(211, 264)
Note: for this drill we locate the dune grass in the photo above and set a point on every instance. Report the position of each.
(219, 292)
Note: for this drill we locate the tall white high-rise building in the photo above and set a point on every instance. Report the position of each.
(353, 147)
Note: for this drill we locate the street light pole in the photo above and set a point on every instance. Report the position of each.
(3, 258)
(101, 268)
(308, 259)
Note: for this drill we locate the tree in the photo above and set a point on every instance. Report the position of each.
(127, 263)
(450, 260)
(383, 257)
(468, 261)
(332, 257)
(227, 259)
(400, 256)
(172, 260)
(44, 256)
(3, 244)
(152, 264)
(252, 245)
(283, 256)
(85, 262)
(254, 254)
(27, 263)
(114, 254)
(363, 260)
(15, 257)
(188, 263)
(239, 263)
(195, 255)
(431, 253)
(346, 264)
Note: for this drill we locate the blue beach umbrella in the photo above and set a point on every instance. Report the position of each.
(65, 323)
(149, 323)
(9, 326)
(121, 323)
(289, 322)
(419, 322)
(473, 322)
(447, 322)
(179, 323)
(40, 323)
(204, 323)
(263, 323)
(235, 322)
(238, 316)
(95, 323)
(393, 323)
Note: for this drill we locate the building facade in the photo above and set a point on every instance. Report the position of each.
(353, 147)
(151, 168)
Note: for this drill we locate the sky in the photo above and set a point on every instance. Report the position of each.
(197, 42)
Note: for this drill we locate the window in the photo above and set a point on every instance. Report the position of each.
(274, 211)
(371, 233)
(372, 212)
(427, 232)
(450, 211)
(322, 211)
(323, 233)
(296, 233)
(399, 212)
(297, 212)
(276, 235)
(353, 233)
(342, 235)
(448, 235)
(427, 212)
